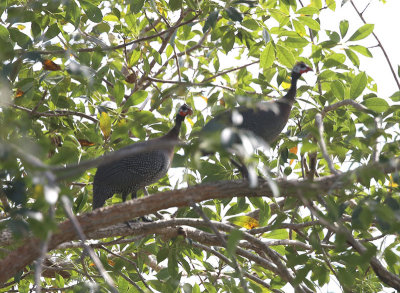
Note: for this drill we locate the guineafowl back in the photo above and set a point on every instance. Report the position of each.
(129, 174)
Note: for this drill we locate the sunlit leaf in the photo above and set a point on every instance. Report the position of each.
(234, 14)
(105, 124)
(362, 32)
(92, 11)
(211, 20)
(285, 56)
(228, 40)
(308, 21)
(267, 56)
(344, 27)
(338, 89)
(376, 104)
(361, 49)
(358, 85)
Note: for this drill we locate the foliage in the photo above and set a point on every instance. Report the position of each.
(81, 78)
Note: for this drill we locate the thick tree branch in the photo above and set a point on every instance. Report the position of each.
(119, 213)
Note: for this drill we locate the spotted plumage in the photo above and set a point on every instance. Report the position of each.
(128, 175)
(267, 120)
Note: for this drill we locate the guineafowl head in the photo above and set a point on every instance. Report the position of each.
(299, 69)
(183, 111)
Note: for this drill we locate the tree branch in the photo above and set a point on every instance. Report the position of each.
(56, 113)
(119, 213)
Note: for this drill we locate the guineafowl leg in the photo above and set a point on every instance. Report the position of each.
(241, 167)
(251, 177)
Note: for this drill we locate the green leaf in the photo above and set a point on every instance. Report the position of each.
(398, 70)
(395, 97)
(308, 10)
(139, 97)
(118, 91)
(361, 49)
(376, 104)
(308, 21)
(337, 89)
(362, 32)
(353, 57)
(211, 20)
(4, 33)
(20, 38)
(52, 32)
(172, 263)
(267, 56)
(228, 40)
(358, 85)
(234, 14)
(299, 27)
(331, 4)
(277, 234)
(92, 11)
(175, 4)
(344, 27)
(296, 42)
(136, 5)
(134, 57)
(111, 17)
(316, 3)
(234, 237)
(251, 24)
(285, 56)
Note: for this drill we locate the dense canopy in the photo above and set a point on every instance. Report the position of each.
(80, 79)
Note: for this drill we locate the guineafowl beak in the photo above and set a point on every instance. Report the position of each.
(307, 69)
(185, 110)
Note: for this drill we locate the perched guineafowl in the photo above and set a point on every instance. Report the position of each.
(131, 173)
(266, 120)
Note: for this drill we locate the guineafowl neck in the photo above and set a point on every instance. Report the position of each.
(174, 132)
(291, 94)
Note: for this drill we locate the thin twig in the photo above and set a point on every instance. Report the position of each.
(129, 261)
(321, 141)
(230, 70)
(348, 102)
(188, 83)
(111, 48)
(56, 113)
(236, 266)
(68, 210)
(229, 262)
(39, 102)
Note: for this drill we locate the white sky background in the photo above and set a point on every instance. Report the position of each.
(386, 18)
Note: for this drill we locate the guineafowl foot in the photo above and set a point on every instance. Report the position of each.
(130, 224)
(242, 168)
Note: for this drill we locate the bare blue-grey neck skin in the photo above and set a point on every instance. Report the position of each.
(183, 111)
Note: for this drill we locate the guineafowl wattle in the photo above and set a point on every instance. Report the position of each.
(128, 175)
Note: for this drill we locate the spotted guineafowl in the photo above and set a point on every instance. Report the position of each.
(128, 175)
